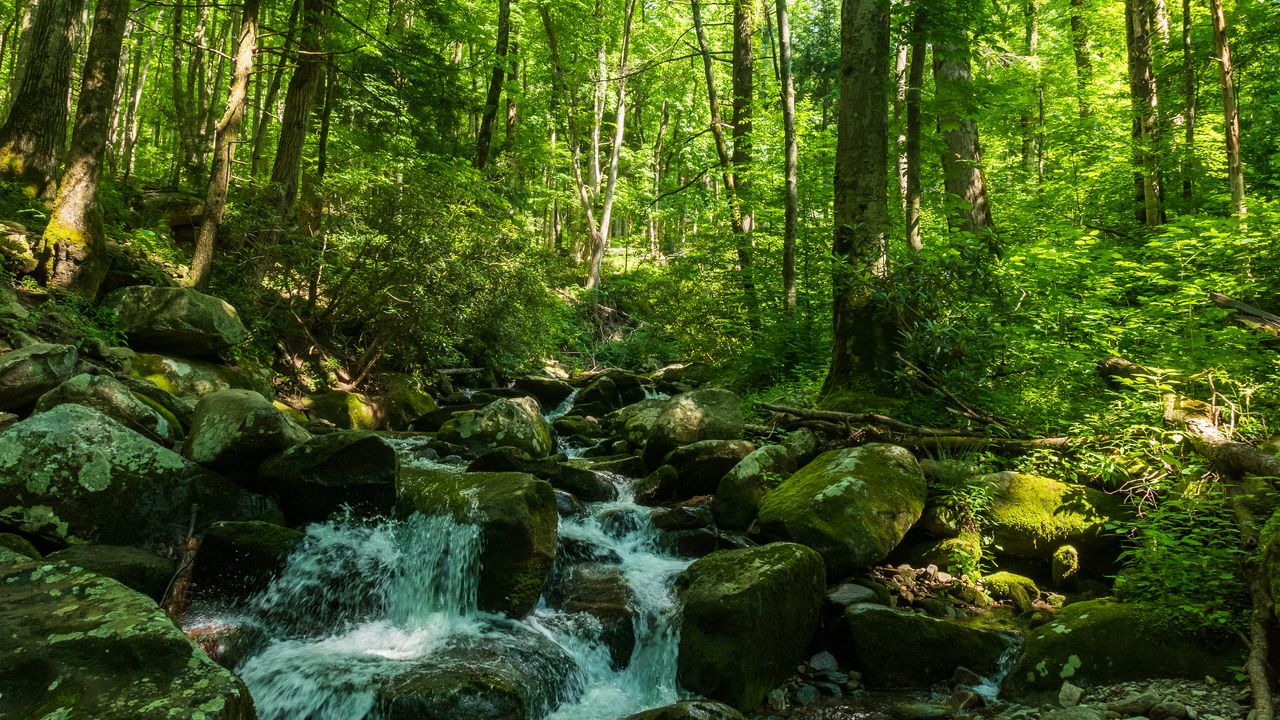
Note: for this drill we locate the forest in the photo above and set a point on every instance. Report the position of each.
(639, 360)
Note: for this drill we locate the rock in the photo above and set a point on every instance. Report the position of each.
(919, 711)
(79, 645)
(29, 372)
(517, 517)
(690, 710)
(10, 307)
(237, 559)
(806, 694)
(684, 517)
(132, 567)
(803, 445)
(582, 482)
(73, 474)
(177, 411)
(15, 252)
(895, 649)
(193, 379)
(702, 541)
(515, 422)
(1103, 642)
(700, 466)
(1137, 704)
(235, 430)
(1066, 565)
(549, 392)
(1080, 712)
(573, 426)
(318, 477)
(956, 555)
(19, 545)
(849, 593)
(634, 423)
(601, 591)
(853, 506)
(608, 392)
(113, 399)
(403, 400)
(346, 410)
(711, 414)
(1031, 516)
(748, 617)
(823, 662)
(741, 489)
(1016, 589)
(1069, 695)
(962, 700)
(176, 320)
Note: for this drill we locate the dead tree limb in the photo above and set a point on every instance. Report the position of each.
(1248, 315)
(844, 418)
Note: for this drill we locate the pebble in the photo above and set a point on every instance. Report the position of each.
(850, 593)
(1069, 695)
(823, 662)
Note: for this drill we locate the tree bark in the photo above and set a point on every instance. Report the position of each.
(915, 82)
(298, 100)
(791, 206)
(860, 342)
(655, 218)
(226, 135)
(1083, 53)
(744, 22)
(273, 88)
(73, 249)
(1189, 105)
(34, 134)
(1231, 112)
(962, 160)
(1146, 132)
(485, 138)
(1032, 132)
(513, 107)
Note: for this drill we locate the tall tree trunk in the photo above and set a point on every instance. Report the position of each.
(1231, 112)
(1160, 20)
(860, 345)
(1031, 132)
(513, 108)
(485, 137)
(129, 139)
(273, 88)
(915, 83)
(655, 218)
(73, 249)
(1146, 131)
(744, 22)
(601, 88)
(790, 203)
(34, 134)
(297, 111)
(1083, 52)
(962, 159)
(1189, 106)
(225, 136)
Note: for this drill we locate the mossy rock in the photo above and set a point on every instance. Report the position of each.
(29, 372)
(548, 391)
(20, 545)
(316, 478)
(956, 555)
(574, 477)
(346, 410)
(690, 710)
(237, 559)
(235, 430)
(80, 646)
(1031, 516)
(178, 320)
(518, 522)
(700, 466)
(601, 591)
(505, 422)
(1103, 642)
(73, 474)
(895, 649)
(193, 379)
(403, 400)
(634, 423)
(711, 414)
(853, 505)
(1019, 590)
(740, 490)
(135, 568)
(112, 398)
(748, 617)
(1066, 566)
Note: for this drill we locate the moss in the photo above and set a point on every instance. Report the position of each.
(1016, 589)
(1033, 515)
(898, 649)
(1066, 565)
(20, 545)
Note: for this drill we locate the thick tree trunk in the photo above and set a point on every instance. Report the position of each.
(655, 218)
(860, 342)
(1083, 53)
(73, 249)
(744, 22)
(273, 89)
(1231, 112)
(225, 137)
(485, 138)
(34, 134)
(1146, 132)
(962, 160)
(915, 82)
(791, 207)
(129, 141)
(298, 99)
(1189, 105)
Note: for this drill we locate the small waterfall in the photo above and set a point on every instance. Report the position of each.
(563, 408)
(651, 393)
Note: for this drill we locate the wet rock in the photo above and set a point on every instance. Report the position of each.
(29, 372)
(685, 517)
(346, 410)
(73, 474)
(191, 380)
(516, 423)
(573, 426)
(823, 662)
(549, 392)
(320, 476)
(634, 423)
(711, 414)
(402, 400)
(1137, 704)
(518, 521)
(113, 399)
(853, 506)
(237, 559)
(235, 430)
(79, 645)
(608, 392)
(690, 710)
(567, 505)
(177, 320)
(699, 542)
(748, 617)
(892, 648)
(740, 490)
(584, 483)
(1031, 516)
(601, 591)
(847, 594)
(434, 420)
(805, 694)
(1080, 712)
(700, 465)
(132, 567)
(919, 711)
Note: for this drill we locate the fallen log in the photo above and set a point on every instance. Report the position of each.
(1247, 315)
(1199, 420)
(832, 416)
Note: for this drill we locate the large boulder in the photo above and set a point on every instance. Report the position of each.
(892, 648)
(235, 430)
(73, 474)
(1103, 642)
(634, 423)
(748, 617)
(518, 520)
(135, 568)
(77, 645)
(853, 505)
(327, 472)
(1031, 516)
(700, 466)
(403, 400)
(548, 391)
(689, 710)
(29, 372)
(583, 482)
(712, 414)
(608, 392)
(346, 410)
(506, 422)
(113, 399)
(176, 320)
(237, 559)
(601, 591)
(738, 495)
(193, 379)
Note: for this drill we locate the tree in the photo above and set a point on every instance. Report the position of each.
(790, 152)
(297, 111)
(860, 342)
(34, 134)
(73, 248)
(485, 138)
(1230, 111)
(962, 158)
(1082, 53)
(225, 137)
(911, 152)
(1148, 191)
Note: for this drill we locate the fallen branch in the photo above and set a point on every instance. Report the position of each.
(838, 418)
(1002, 446)
(177, 596)
(1200, 422)
(1248, 315)
(961, 408)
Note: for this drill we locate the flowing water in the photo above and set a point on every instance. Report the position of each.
(362, 601)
